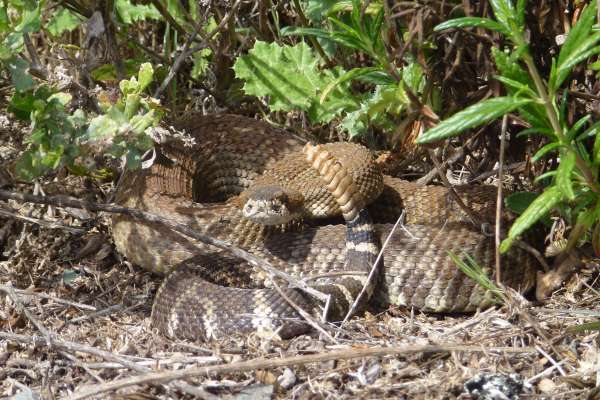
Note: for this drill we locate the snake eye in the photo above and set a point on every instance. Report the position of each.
(276, 207)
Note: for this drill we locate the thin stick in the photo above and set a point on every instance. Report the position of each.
(475, 218)
(46, 224)
(263, 363)
(66, 201)
(8, 289)
(27, 292)
(307, 317)
(499, 200)
(78, 347)
(371, 274)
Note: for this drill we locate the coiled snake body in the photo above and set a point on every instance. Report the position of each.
(228, 154)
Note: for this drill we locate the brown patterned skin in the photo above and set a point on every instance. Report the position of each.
(292, 177)
(417, 272)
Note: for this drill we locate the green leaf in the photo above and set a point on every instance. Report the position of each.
(545, 175)
(19, 75)
(339, 101)
(287, 75)
(470, 268)
(200, 62)
(505, 13)
(130, 13)
(519, 201)
(578, 46)
(576, 127)
(4, 21)
(350, 75)
(317, 10)
(544, 150)
(475, 22)
(563, 174)
(536, 210)
(519, 87)
(63, 21)
(145, 76)
(473, 116)
(30, 18)
(521, 12)
(303, 31)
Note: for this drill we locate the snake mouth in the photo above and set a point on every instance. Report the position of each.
(270, 205)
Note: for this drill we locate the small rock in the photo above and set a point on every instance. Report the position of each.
(487, 386)
(287, 379)
(546, 385)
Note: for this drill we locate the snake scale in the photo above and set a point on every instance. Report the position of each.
(188, 183)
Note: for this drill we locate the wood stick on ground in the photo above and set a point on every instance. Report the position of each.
(67, 201)
(72, 347)
(263, 363)
(8, 289)
(499, 200)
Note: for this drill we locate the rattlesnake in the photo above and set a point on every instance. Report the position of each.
(230, 150)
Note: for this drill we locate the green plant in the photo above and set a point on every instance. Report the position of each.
(60, 138)
(541, 101)
(61, 135)
(295, 78)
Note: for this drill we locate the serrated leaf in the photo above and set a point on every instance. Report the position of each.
(475, 22)
(130, 13)
(317, 10)
(473, 116)
(505, 13)
(62, 21)
(145, 76)
(536, 210)
(563, 174)
(287, 74)
(200, 59)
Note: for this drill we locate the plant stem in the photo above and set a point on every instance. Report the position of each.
(541, 89)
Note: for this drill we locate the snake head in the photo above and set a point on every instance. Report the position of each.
(271, 204)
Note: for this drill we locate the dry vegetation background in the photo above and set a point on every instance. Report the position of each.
(74, 316)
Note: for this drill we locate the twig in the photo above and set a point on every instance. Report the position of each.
(307, 317)
(78, 347)
(428, 177)
(42, 222)
(552, 361)
(8, 289)
(499, 200)
(186, 51)
(177, 64)
(78, 362)
(105, 311)
(219, 27)
(374, 268)
(66, 201)
(475, 218)
(487, 174)
(263, 363)
(27, 292)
